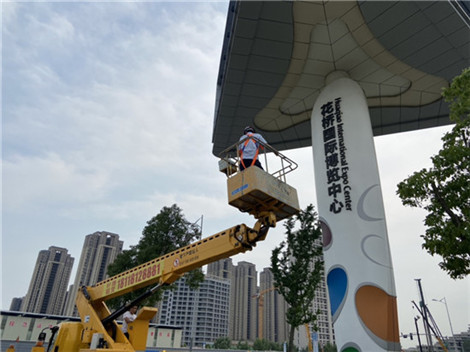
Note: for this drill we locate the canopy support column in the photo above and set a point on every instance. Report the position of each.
(356, 250)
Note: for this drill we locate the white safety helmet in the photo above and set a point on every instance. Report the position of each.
(248, 129)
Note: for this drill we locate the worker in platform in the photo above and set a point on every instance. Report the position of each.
(128, 317)
(249, 148)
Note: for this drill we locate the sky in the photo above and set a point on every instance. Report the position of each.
(107, 115)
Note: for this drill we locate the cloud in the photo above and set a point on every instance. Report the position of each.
(125, 117)
(50, 181)
(107, 118)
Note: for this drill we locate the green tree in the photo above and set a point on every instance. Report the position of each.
(261, 345)
(222, 343)
(276, 346)
(243, 345)
(443, 190)
(266, 345)
(297, 269)
(164, 233)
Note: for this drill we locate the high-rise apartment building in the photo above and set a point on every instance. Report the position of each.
(48, 286)
(243, 319)
(224, 269)
(275, 327)
(203, 313)
(99, 250)
(15, 305)
(321, 304)
(243, 303)
(324, 322)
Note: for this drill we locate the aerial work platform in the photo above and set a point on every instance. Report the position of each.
(258, 191)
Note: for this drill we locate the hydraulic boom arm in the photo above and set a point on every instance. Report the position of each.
(96, 317)
(170, 267)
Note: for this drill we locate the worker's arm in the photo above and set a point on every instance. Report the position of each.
(128, 317)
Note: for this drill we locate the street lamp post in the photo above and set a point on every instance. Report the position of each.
(443, 300)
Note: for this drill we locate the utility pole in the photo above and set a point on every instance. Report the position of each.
(450, 322)
(425, 317)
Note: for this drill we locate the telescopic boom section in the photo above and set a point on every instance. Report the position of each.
(170, 267)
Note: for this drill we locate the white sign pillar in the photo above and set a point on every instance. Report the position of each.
(358, 265)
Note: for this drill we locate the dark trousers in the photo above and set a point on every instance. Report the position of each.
(248, 163)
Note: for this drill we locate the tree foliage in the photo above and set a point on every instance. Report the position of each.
(265, 345)
(164, 233)
(243, 345)
(297, 269)
(443, 190)
(222, 343)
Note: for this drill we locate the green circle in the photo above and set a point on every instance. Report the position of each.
(349, 349)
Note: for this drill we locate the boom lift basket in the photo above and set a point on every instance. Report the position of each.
(257, 191)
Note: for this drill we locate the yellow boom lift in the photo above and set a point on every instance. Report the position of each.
(264, 195)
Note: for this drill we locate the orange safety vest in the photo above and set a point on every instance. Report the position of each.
(250, 137)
